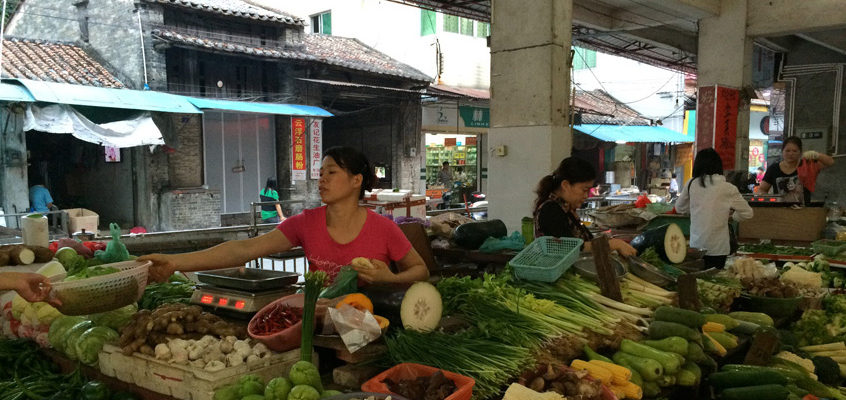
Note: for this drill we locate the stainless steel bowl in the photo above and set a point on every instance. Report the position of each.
(586, 267)
(648, 272)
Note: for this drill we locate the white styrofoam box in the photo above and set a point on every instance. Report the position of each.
(183, 381)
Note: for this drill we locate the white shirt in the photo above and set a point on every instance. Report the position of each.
(709, 209)
(674, 186)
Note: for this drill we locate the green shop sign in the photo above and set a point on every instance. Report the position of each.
(475, 117)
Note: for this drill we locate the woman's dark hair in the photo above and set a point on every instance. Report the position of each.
(445, 163)
(793, 139)
(354, 162)
(271, 184)
(571, 169)
(707, 163)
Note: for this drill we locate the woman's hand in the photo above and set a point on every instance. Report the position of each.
(163, 266)
(32, 287)
(624, 249)
(378, 273)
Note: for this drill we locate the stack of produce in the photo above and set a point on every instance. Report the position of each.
(624, 383)
(177, 289)
(823, 326)
(302, 383)
(718, 292)
(825, 357)
(18, 254)
(820, 265)
(771, 249)
(82, 338)
(556, 381)
(779, 380)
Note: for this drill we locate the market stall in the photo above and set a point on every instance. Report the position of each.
(548, 322)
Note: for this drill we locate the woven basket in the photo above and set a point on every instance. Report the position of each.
(102, 293)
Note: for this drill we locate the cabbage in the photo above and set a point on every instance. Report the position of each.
(115, 319)
(90, 342)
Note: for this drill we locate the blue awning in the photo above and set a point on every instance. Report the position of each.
(633, 133)
(13, 92)
(79, 95)
(254, 107)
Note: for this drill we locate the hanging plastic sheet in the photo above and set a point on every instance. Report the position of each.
(64, 119)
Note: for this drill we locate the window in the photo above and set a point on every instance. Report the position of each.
(427, 22)
(483, 29)
(450, 23)
(466, 26)
(583, 58)
(322, 23)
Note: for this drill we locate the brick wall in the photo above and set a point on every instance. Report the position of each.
(189, 209)
(185, 164)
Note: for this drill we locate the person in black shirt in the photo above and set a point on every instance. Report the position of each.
(795, 176)
(559, 196)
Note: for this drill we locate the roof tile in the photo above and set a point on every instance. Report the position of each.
(235, 8)
(55, 62)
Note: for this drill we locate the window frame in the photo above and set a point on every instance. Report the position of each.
(320, 22)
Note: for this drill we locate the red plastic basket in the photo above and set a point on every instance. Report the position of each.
(463, 384)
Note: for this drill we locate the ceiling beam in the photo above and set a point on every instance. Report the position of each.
(819, 42)
(668, 37)
(692, 9)
(784, 17)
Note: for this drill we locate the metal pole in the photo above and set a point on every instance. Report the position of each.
(2, 35)
(143, 52)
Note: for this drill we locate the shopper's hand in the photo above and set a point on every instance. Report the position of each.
(163, 266)
(624, 249)
(32, 287)
(811, 155)
(378, 273)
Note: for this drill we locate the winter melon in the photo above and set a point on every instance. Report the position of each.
(668, 240)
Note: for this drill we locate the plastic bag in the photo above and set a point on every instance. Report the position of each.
(346, 282)
(115, 250)
(357, 328)
(443, 225)
(513, 242)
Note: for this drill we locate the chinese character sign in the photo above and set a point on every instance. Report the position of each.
(725, 125)
(298, 149)
(316, 147)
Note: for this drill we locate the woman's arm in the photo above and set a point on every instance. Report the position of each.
(228, 254)
(279, 213)
(825, 160)
(32, 287)
(683, 201)
(763, 188)
(411, 269)
(742, 209)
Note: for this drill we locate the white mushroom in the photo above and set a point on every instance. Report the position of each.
(162, 352)
(214, 366)
(234, 360)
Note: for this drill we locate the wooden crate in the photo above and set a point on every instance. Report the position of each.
(186, 382)
(784, 223)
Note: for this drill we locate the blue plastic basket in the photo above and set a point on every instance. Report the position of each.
(546, 258)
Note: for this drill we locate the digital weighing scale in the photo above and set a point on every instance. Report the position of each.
(764, 198)
(241, 292)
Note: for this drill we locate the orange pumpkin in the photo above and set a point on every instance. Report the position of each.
(357, 300)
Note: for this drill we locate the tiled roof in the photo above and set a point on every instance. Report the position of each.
(478, 94)
(599, 107)
(333, 50)
(54, 62)
(234, 8)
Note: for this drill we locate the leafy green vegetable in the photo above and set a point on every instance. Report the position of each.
(769, 248)
(177, 289)
(115, 319)
(823, 326)
(90, 342)
(346, 282)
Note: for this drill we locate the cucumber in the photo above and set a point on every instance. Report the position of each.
(730, 379)
(688, 318)
(729, 322)
(592, 355)
(694, 369)
(727, 340)
(648, 369)
(695, 353)
(759, 392)
(753, 317)
(666, 380)
(789, 374)
(672, 344)
(685, 378)
(664, 329)
(636, 378)
(650, 389)
(746, 328)
(670, 363)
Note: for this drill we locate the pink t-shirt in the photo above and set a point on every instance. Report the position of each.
(380, 238)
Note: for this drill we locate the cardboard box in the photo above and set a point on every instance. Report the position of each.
(82, 218)
(784, 223)
(411, 206)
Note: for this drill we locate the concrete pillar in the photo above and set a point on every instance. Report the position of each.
(724, 60)
(530, 81)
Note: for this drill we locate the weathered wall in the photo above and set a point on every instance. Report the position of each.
(190, 209)
(408, 140)
(185, 162)
(14, 191)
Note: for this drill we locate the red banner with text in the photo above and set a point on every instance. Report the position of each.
(298, 149)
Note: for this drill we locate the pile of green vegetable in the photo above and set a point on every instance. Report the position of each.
(82, 339)
(177, 289)
(769, 248)
(31, 375)
(823, 326)
(718, 292)
(302, 383)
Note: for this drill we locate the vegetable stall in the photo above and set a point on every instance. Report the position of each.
(769, 325)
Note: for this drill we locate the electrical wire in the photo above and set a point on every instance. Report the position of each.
(606, 90)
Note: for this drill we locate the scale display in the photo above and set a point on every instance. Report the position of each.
(236, 300)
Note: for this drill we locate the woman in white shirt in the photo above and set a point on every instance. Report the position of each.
(711, 201)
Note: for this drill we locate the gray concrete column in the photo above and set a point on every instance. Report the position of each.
(530, 81)
(725, 59)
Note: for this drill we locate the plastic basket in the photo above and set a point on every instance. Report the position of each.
(828, 247)
(546, 259)
(102, 293)
(463, 384)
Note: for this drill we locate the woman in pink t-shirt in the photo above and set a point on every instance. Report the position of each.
(331, 235)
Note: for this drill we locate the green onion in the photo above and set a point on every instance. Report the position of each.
(313, 285)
